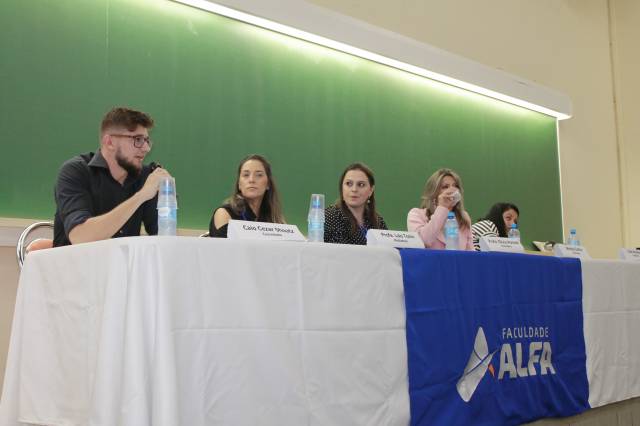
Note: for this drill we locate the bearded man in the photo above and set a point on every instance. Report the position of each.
(110, 193)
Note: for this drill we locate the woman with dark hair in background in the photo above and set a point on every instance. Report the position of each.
(354, 213)
(442, 194)
(496, 223)
(255, 197)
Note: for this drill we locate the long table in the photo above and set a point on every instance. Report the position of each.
(196, 331)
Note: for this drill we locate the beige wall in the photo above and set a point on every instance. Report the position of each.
(8, 288)
(625, 34)
(562, 44)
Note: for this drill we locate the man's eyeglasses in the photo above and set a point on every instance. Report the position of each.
(138, 140)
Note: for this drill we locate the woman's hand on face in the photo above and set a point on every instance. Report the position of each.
(447, 199)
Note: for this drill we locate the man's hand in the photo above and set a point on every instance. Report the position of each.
(150, 188)
(106, 225)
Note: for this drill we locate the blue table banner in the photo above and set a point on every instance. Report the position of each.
(493, 338)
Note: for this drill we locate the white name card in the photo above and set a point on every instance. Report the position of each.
(563, 250)
(404, 239)
(249, 230)
(507, 245)
(630, 255)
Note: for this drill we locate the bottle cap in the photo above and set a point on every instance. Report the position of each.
(572, 231)
(450, 215)
(514, 226)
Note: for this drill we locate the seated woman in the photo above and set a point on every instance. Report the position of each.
(255, 197)
(496, 223)
(442, 194)
(347, 221)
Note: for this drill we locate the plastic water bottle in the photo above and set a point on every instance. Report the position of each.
(573, 239)
(451, 232)
(316, 219)
(514, 233)
(167, 207)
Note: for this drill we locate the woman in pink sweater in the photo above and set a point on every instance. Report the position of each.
(438, 199)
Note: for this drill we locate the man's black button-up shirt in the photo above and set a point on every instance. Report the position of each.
(85, 188)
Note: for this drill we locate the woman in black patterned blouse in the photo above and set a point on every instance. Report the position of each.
(349, 219)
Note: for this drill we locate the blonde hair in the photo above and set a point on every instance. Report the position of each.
(432, 190)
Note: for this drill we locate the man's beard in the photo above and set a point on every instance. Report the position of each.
(132, 169)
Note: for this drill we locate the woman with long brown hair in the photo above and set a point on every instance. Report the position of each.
(255, 197)
(354, 213)
(442, 194)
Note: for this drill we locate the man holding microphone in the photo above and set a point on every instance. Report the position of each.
(110, 193)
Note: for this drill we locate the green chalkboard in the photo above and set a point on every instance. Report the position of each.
(220, 89)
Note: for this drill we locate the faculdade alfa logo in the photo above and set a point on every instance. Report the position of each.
(479, 362)
(513, 368)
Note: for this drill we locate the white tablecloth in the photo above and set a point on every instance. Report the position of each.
(198, 331)
(188, 331)
(611, 308)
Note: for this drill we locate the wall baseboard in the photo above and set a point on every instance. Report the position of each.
(11, 228)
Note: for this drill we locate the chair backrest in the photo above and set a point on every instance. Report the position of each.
(25, 245)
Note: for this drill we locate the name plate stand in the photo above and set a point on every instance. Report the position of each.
(249, 230)
(563, 250)
(501, 244)
(630, 255)
(398, 239)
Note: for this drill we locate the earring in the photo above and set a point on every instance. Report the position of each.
(368, 200)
